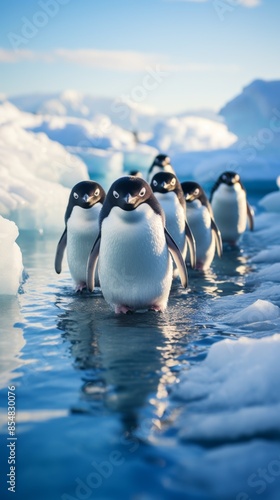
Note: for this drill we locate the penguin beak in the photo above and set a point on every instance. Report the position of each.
(187, 196)
(86, 198)
(129, 199)
(164, 185)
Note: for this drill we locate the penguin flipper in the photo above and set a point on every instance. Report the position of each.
(92, 263)
(191, 245)
(177, 257)
(250, 215)
(218, 238)
(60, 252)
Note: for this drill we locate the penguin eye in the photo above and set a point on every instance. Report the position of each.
(224, 177)
(155, 183)
(196, 192)
(116, 194)
(96, 192)
(76, 196)
(142, 192)
(173, 181)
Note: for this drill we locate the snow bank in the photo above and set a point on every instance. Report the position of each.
(100, 162)
(233, 394)
(271, 202)
(261, 310)
(35, 174)
(190, 133)
(269, 256)
(128, 115)
(69, 131)
(11, 266)
(254, 118)
(256, 109)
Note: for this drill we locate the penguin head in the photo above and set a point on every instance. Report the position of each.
(128, 193)
(161, 161)
(136, 173)
(165, 182)
(85, 194)
(192, 191)
(229, 178)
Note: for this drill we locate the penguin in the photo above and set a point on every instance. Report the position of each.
(136, 173)
(168, 191)
(161, 163)
(230, 207)
(81, 229)
(203, 226)
(133, 249)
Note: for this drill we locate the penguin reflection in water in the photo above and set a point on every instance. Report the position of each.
(230, 207)
(132, 249)
(168, 191)
(81, 229)
(201, 220)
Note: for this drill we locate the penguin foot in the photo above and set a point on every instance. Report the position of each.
(80, 287)
(123, 310)
(199, 266)
(155, 309)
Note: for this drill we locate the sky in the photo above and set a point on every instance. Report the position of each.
(174, 55)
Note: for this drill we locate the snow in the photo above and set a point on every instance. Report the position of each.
(11, 266)
(190, 133)
(261, 310)
(271, 202)
(71, 131)
(253, 119)
(35, 174)
(234, 392)
(255, 109)
(270, 255)
(127, 114)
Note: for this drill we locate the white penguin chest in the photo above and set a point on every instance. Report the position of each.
(175, 217)
(82, 231)
(230, 210)
(200, 223)
(134, 260)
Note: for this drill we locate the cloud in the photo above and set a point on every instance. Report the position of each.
(15, 56)
(102, 59)
(202, 68)
(111, 60)
(231, 3)
(108, 59)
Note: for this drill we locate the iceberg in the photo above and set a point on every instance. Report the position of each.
(11, 267)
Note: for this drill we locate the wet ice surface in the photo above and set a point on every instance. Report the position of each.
(131, 406)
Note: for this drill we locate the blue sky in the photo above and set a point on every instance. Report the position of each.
(175, 55)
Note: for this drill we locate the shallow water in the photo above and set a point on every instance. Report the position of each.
(92, 388)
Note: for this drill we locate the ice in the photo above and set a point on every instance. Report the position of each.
(234, 393)
(11, 266)
(269, 273)
(268, 256)
(127, 114)
(70, 131)
(139, 157)
(254, 118)
(261, 310)
(271, 202)
(100, 162)
(35, 174)
(255, 109)
(190, 133)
